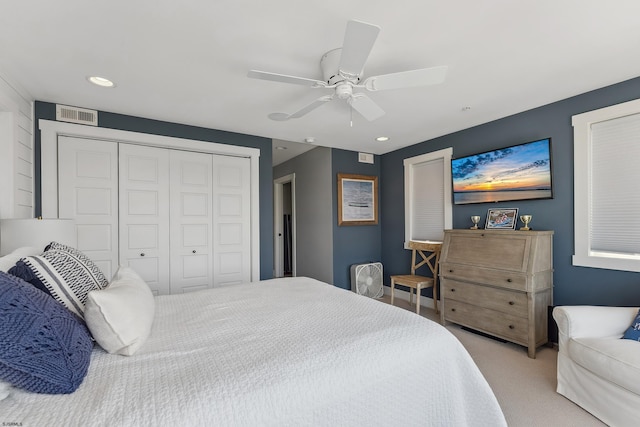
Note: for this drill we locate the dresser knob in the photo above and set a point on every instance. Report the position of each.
(511, 303)
(453, 309)
(509, 280)
(193, 251)
(453, 290)
(142, 254)
(450, 271)
(511, 327)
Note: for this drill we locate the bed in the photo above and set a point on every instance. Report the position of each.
(280, 352)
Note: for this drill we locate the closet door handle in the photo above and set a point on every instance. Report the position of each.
(193, 251)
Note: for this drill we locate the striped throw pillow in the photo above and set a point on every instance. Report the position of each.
(64, 273)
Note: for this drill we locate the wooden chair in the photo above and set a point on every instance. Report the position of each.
(413, 281)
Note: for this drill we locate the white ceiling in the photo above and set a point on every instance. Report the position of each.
(187, 61)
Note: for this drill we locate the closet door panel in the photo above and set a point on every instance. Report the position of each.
(191, 240)
(144, 213)
(88, 193)
(231, 218)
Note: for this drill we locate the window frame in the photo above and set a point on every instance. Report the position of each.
(445, 154)
(582, 124)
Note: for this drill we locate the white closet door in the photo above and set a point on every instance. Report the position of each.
(232, 220)
(88, 192)
(144, 213)
(191, 240)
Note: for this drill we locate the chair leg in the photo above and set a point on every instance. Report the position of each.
(410, 296)
(418, 294)
(435, 298)
(393, 287)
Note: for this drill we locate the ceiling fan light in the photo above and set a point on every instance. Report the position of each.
(382, 138)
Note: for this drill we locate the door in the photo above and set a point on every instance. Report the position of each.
(231, 220)
(190, 219)
(88, 193)
(284, 226)
(144, 214)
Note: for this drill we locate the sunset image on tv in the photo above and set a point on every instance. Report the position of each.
(514, 173)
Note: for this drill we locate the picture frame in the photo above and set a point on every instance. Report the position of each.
(357, 199)
(502, 219)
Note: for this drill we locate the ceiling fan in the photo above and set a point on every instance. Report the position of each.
(342, 69)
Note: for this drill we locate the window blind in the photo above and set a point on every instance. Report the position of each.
(427, 195)
(615, 199)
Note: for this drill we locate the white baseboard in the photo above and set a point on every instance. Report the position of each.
(404, 295)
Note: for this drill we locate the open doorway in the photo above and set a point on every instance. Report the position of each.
(284, 227)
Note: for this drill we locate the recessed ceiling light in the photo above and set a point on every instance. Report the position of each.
(101, 81)
(382, 138)
(466, 108)
(279, 147)
(309, 140)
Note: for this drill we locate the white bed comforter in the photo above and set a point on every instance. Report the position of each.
(282, 352)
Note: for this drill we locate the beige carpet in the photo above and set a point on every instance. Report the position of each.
(524, 387)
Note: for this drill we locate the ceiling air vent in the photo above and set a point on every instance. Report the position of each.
(64, 113)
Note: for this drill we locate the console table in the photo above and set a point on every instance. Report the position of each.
(498, 282)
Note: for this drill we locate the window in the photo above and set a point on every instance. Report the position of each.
(427, 196)
(606, 196)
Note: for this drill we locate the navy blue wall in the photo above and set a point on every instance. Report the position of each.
(47, 111)
(573, 285)
(353, 244)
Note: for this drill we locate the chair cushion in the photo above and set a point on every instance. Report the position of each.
(611, 358)
(633, 332)
(44, 348)
(413, 280)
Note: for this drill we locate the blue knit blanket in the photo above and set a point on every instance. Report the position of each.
(44, 347)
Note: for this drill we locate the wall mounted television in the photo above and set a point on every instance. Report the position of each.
(519, 172)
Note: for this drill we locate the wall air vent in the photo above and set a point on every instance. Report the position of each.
(82, 116)
(365, 158)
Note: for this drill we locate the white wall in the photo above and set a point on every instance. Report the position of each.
(16, 153)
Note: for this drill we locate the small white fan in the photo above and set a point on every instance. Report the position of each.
(366, 279)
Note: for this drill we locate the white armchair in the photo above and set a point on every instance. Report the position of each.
(596, 369)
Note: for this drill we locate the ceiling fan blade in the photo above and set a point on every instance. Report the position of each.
(358, 41)
(304, 110)
(283, 78)
(366, 107)
(404, 79)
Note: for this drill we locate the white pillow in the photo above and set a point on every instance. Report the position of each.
(9, 260)
(120, 316)
(5, 389)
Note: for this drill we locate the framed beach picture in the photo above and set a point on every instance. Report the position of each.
(357, 199)
(502, 219)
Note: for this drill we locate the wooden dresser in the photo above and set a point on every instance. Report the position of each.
(498, 282)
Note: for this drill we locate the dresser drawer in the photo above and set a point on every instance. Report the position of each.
(492, 249)
(502, 300)
(503, 325)
(493, 277)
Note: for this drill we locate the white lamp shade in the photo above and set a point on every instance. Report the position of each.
(36, 233)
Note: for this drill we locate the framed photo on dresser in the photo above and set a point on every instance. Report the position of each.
(502, 219)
